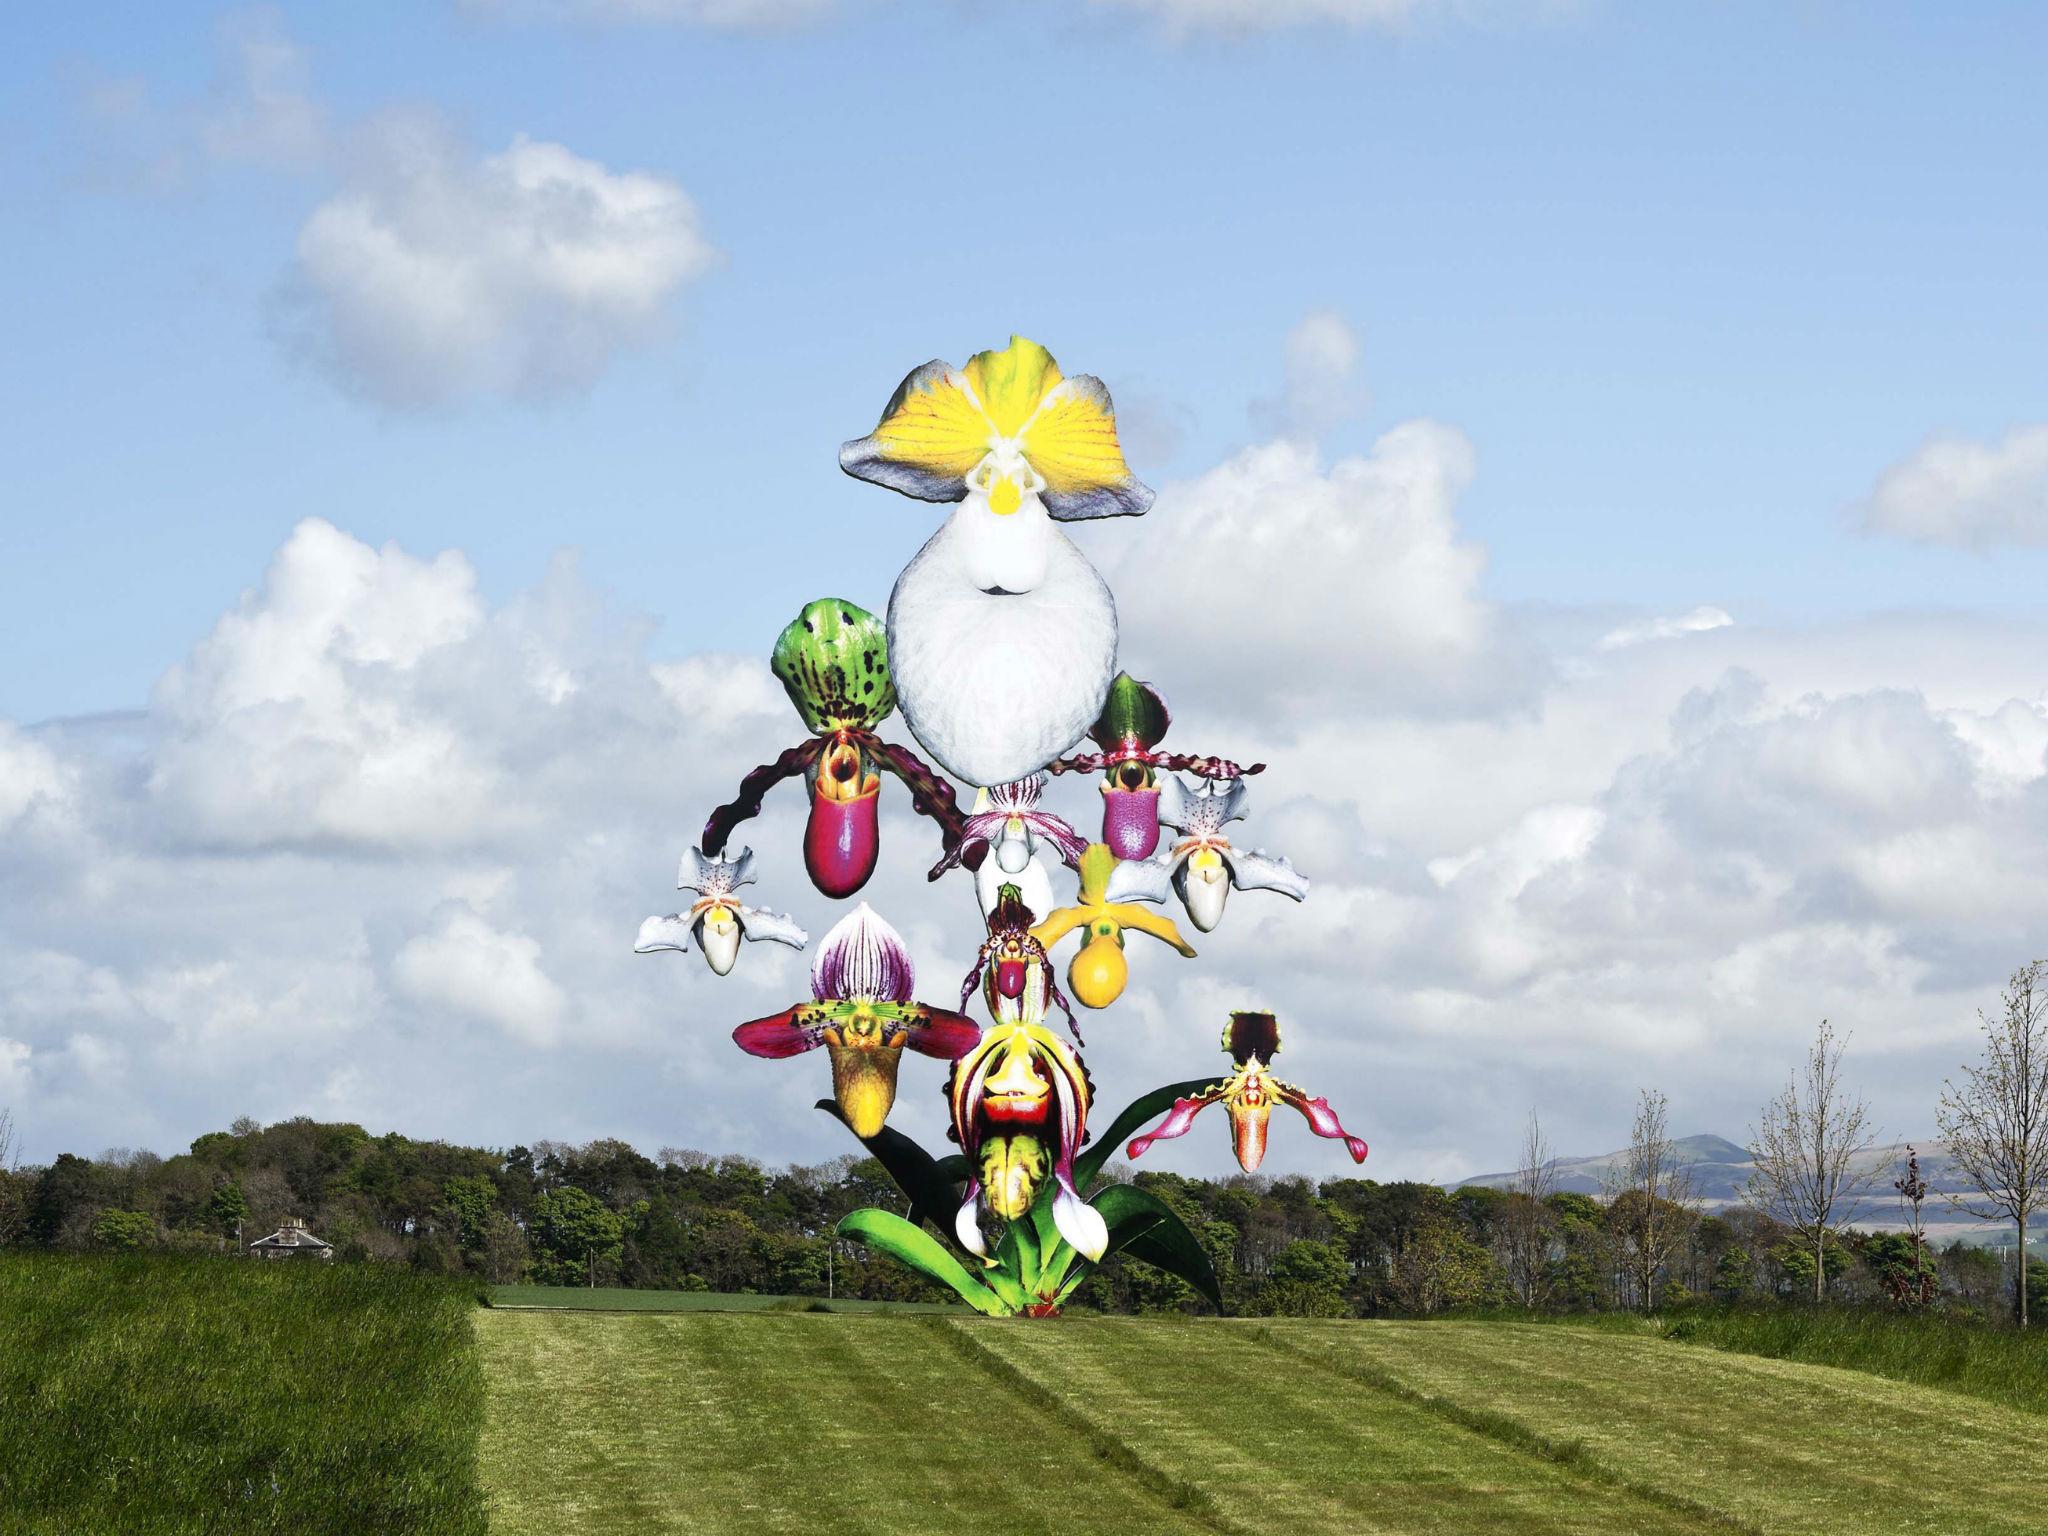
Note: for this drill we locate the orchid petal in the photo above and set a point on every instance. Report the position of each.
(862, 957)
(1143, 879)
(758, 923)
(1321, 1119)
(931, 436)
(1264, 872)
(1177, 1123)
(935, 1032)
(789, 1033)
(1071, 441)
(714, 876)
(1078, 1222)
(660, 933)
(1157, 924)
(965, 1226)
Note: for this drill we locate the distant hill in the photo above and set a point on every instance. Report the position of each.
(1720, 1169)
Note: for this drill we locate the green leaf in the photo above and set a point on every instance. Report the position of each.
(933, 1184)
(1140, 1110)
(891, 1234)
(1145, 1227)
(833, 660)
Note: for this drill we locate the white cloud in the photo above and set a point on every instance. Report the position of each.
(434, 275)
(1275, 582)
(1321, 378)
(1697, 622)
(468, 966)
(1958, 491)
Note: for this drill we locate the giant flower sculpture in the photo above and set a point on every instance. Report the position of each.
(1000, 650)
(717, 920)
(1001, 634)
(862, 1013)
(1203, 865)
(1248, 1096)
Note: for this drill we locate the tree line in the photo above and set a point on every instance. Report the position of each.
(606, 1214)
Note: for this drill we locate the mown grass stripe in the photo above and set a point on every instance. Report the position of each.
(1572, 1455)
(1177, 1493)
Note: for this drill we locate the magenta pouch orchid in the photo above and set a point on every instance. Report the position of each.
(1133, 721)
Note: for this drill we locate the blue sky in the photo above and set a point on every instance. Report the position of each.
(1689, 278)
(1603, 466)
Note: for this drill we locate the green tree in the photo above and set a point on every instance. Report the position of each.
(123, 1230)
(574, 1236)
(228, 1208)
(469, 1198)
(1307, 1279)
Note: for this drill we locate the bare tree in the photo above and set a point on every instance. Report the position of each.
(1651, 1202)
(1810, 1153)
(1527, 1227)
(1995, 1121)
(1912, 1190)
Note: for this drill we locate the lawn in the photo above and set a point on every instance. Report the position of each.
(742, 1423)
(576, 1298)
(145, 1396)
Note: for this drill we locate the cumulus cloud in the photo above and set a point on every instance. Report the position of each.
(1959, 491)
(1277, 581)
(433, 274)
(467, 966)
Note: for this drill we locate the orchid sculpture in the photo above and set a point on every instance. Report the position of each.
(833, 662)
(1002, 635)
(1203, 864)
(1134, 718)
(861, 1012)
(715, 920)
(1000, 649)
(1098, 971)
(1248, 1096)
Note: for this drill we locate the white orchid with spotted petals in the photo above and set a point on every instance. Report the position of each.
(1202, 865)
(716, 921)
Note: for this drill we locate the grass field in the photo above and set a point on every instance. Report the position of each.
(2002, 1365)
(144, 1396)
(152, 1396)
(726, 1423)
(576, 1298)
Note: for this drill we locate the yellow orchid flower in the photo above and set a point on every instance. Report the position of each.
(1009, 430)
(1098, 970)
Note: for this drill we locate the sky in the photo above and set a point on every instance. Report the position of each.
(1602, 457)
